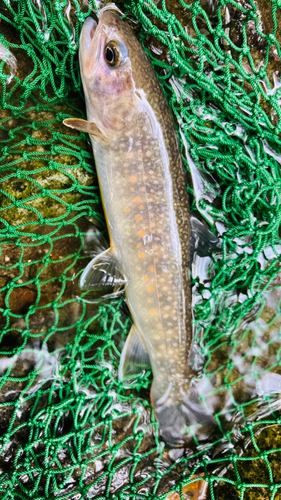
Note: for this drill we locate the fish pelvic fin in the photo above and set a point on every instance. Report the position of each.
(134, 358)
(87, 127)
(103, 271)
(180, 413)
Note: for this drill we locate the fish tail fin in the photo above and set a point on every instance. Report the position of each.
(180, 413)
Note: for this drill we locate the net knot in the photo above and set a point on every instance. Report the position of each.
(59, 5)
(238, 153)
(19, 173)
(41, 37)
(251, 15)
(17, 203)
(271, 38)
(196, 8)
(17, 19)
(72, 47)
(171, 20)
(5, 151)
(80, 16)
(245, 50)
(154, 31)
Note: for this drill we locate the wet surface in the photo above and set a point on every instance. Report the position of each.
(67, 426)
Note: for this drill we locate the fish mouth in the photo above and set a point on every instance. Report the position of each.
(88, 32)
(88, 55)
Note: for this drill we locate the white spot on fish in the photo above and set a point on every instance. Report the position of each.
(147, 239)
(130, 144)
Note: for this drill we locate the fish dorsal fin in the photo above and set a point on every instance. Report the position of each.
(134, 358)
(103, 271)
(202, 240)
(87, 127)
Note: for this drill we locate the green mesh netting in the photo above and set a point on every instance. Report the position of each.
(68, 428)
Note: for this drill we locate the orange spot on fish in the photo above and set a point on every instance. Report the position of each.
(130, 155)
(133, 179)
(137, 199)
(121, 190)
(127, 209)
(144, 277)
(152, 224)
(139, 245)
(150, 300)
(140, 167)
(152, 312)
(141, 255)
(159, 325)
(141, 207)
(138, 217)
(154, 247)
(150, 288)
(132, 189)
(152, 269)
(142, 233)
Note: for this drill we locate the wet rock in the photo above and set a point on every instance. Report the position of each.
(256, 465)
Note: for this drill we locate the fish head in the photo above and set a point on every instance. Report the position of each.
(106, 71)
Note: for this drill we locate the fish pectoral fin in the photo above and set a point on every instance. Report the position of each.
(202, 240)
(134, 358)
(103, 271)
(87, 127)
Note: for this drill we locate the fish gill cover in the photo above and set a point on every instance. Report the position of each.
(68, 428)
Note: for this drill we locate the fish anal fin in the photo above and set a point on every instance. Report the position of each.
(102, 272)
(134, 358)
(87, 127)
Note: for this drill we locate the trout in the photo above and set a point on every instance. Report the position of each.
(144, 197)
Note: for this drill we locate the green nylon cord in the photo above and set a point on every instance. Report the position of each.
(68, 428)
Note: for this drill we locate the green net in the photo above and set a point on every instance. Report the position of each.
(68, 428)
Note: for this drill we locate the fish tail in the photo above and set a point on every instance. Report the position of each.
(180, 413)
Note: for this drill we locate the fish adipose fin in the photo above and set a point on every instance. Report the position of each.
(134, 358)
(103, 271)
(87, 127)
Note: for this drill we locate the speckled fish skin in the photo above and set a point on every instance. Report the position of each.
(144, 196)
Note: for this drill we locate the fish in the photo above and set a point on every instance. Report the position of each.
(144, 196)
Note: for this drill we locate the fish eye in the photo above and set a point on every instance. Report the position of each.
(113, 54)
